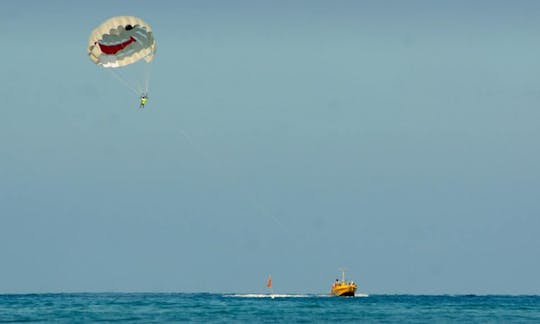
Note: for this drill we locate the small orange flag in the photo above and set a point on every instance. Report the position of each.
(269, 282)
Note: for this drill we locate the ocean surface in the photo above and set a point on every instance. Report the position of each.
(254, 308)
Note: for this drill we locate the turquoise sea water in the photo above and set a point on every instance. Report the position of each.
(202, 307)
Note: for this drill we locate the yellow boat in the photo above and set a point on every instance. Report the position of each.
(342, 287)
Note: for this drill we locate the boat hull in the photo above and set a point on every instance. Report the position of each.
(347, 290)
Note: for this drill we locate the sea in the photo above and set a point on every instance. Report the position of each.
(262, 308)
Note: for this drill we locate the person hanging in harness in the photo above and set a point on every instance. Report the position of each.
(144, 99)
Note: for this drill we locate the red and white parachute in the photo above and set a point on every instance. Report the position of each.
(121, 41)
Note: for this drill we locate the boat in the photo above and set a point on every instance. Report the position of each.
(342, 288)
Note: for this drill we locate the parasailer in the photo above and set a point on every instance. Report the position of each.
(144, 99)
(121, 43)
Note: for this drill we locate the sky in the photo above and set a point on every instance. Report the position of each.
(397, 139)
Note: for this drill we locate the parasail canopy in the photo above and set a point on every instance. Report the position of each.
(121, 41)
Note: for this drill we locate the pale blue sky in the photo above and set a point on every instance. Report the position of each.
(396, 138)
